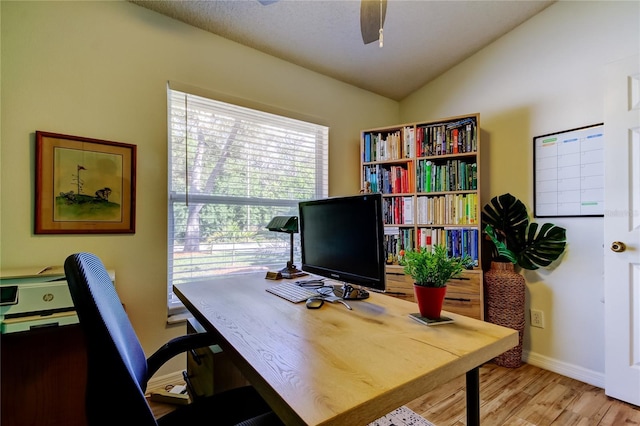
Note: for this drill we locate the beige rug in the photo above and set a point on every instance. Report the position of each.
(401, 417)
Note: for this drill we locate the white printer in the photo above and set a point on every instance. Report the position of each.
(34, 298)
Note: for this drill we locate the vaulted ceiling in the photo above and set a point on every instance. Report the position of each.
(422, 39)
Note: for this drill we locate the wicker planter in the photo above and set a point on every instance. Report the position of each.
(504, 298)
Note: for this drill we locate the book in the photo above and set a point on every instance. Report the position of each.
(367, 148)
(428, 321)
(427, 173)
(454, 141)
(407, 210)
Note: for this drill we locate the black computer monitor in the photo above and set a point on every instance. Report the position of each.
(342, 238)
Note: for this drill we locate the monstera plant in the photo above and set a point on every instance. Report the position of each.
(516, 239)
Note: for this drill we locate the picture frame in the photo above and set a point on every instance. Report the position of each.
(84, 185)
(568, 169)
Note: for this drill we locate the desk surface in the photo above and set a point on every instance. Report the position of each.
(334, 366)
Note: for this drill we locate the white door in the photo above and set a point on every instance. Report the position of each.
(622, 230)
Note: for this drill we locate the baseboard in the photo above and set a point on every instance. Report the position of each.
(591, 377)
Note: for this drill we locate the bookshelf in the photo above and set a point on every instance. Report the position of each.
(429, 175)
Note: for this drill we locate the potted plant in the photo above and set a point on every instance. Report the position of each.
(430, 270)
(516, 242)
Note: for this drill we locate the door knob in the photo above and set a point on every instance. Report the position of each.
(618, 246)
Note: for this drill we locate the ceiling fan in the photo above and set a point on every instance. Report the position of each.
(372, 14)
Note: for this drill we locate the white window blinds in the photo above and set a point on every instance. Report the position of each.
(231, 170)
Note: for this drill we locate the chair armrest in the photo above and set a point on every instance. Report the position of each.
(177, 346)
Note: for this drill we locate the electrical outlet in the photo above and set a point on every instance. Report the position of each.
(537, 318)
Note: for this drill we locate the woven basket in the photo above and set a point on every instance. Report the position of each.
(513, 357)
(504, 298)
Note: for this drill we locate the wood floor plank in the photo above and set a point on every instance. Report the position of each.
(548, 404)
(567, 418)
(448, 411)
(498, 410)
(516, 421)
(620, 414)
(502, 382)
(592, 403)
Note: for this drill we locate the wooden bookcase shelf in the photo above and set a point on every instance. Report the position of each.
(429, 175)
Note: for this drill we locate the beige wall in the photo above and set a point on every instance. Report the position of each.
(100, 70)
(547, 75)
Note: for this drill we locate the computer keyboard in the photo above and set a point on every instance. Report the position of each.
(292, 292)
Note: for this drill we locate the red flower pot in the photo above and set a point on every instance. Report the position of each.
(430, 300)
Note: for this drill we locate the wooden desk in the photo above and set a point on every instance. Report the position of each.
(334, 366)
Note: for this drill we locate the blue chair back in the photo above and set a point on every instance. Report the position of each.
(117, 365)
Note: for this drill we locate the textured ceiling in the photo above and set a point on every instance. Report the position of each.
(422, 39)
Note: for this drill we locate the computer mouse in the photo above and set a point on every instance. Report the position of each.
(314, 303)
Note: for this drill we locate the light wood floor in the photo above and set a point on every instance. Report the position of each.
(524, 396)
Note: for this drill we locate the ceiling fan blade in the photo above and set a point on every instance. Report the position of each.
(370, 19)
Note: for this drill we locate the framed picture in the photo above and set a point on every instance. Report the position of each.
(569, 172)
(84, 186)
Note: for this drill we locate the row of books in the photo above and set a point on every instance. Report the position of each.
(448, 209)
(388, 179)
(447, 138)
(459, 241)
(453, 137)
(397, 210)
(396, 239)
(454, 175)
(389, 146)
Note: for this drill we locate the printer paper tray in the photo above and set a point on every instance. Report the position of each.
(26, 323)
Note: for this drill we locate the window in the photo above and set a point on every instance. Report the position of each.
(231, 170)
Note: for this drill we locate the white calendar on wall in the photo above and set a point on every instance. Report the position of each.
(569, 173)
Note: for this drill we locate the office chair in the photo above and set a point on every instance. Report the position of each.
(117, 370)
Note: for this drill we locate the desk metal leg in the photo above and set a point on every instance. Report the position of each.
(473, 397)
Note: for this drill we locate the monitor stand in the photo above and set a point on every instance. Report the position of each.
(349, 292)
